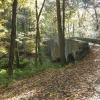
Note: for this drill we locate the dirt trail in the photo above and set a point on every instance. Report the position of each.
(73, 82)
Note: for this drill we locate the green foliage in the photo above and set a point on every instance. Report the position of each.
(30, 45)
(3, 77)
(33, 70)
(24, 62)
(26, 25)
(3, 63)
(3, 50)
(29, 70)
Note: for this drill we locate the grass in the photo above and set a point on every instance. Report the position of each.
(29, 70)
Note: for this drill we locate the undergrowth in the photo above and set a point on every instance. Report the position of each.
(26, 71)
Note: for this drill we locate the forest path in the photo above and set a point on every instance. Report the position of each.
(73, 82)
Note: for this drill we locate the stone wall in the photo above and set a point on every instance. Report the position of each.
(76, 48)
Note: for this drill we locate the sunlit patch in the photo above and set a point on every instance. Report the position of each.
(95, 97)
(2, 34)
(97, 60)
(3, 50)
(2, 71)
(25, 95)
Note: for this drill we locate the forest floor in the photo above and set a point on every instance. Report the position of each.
(72, 82)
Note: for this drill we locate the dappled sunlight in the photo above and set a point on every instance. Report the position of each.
(49, 50)
(2, 34)
(2, 71)
(78, 81)
(26, 95)
(94, 97)
(97, 60)
(3, 50)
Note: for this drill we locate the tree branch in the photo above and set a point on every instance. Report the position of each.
(41, 9)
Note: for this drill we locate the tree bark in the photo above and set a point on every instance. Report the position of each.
(97, 21)
(13, 37)
(36, 48)
(73, 30)
(63, 6)
(38, 39)
(17, 56)
(60, 33)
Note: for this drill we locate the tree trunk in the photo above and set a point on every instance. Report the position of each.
(38, 48)
(17, 49)
(73, 30)
(17, 56)
(38, 51)
(13, 37)
(68, 26)
(96, 16)
(60, 33)
(63, 17)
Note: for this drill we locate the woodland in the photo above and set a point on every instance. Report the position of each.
(49, 49)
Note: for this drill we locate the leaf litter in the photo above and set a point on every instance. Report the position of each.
(72, 82)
